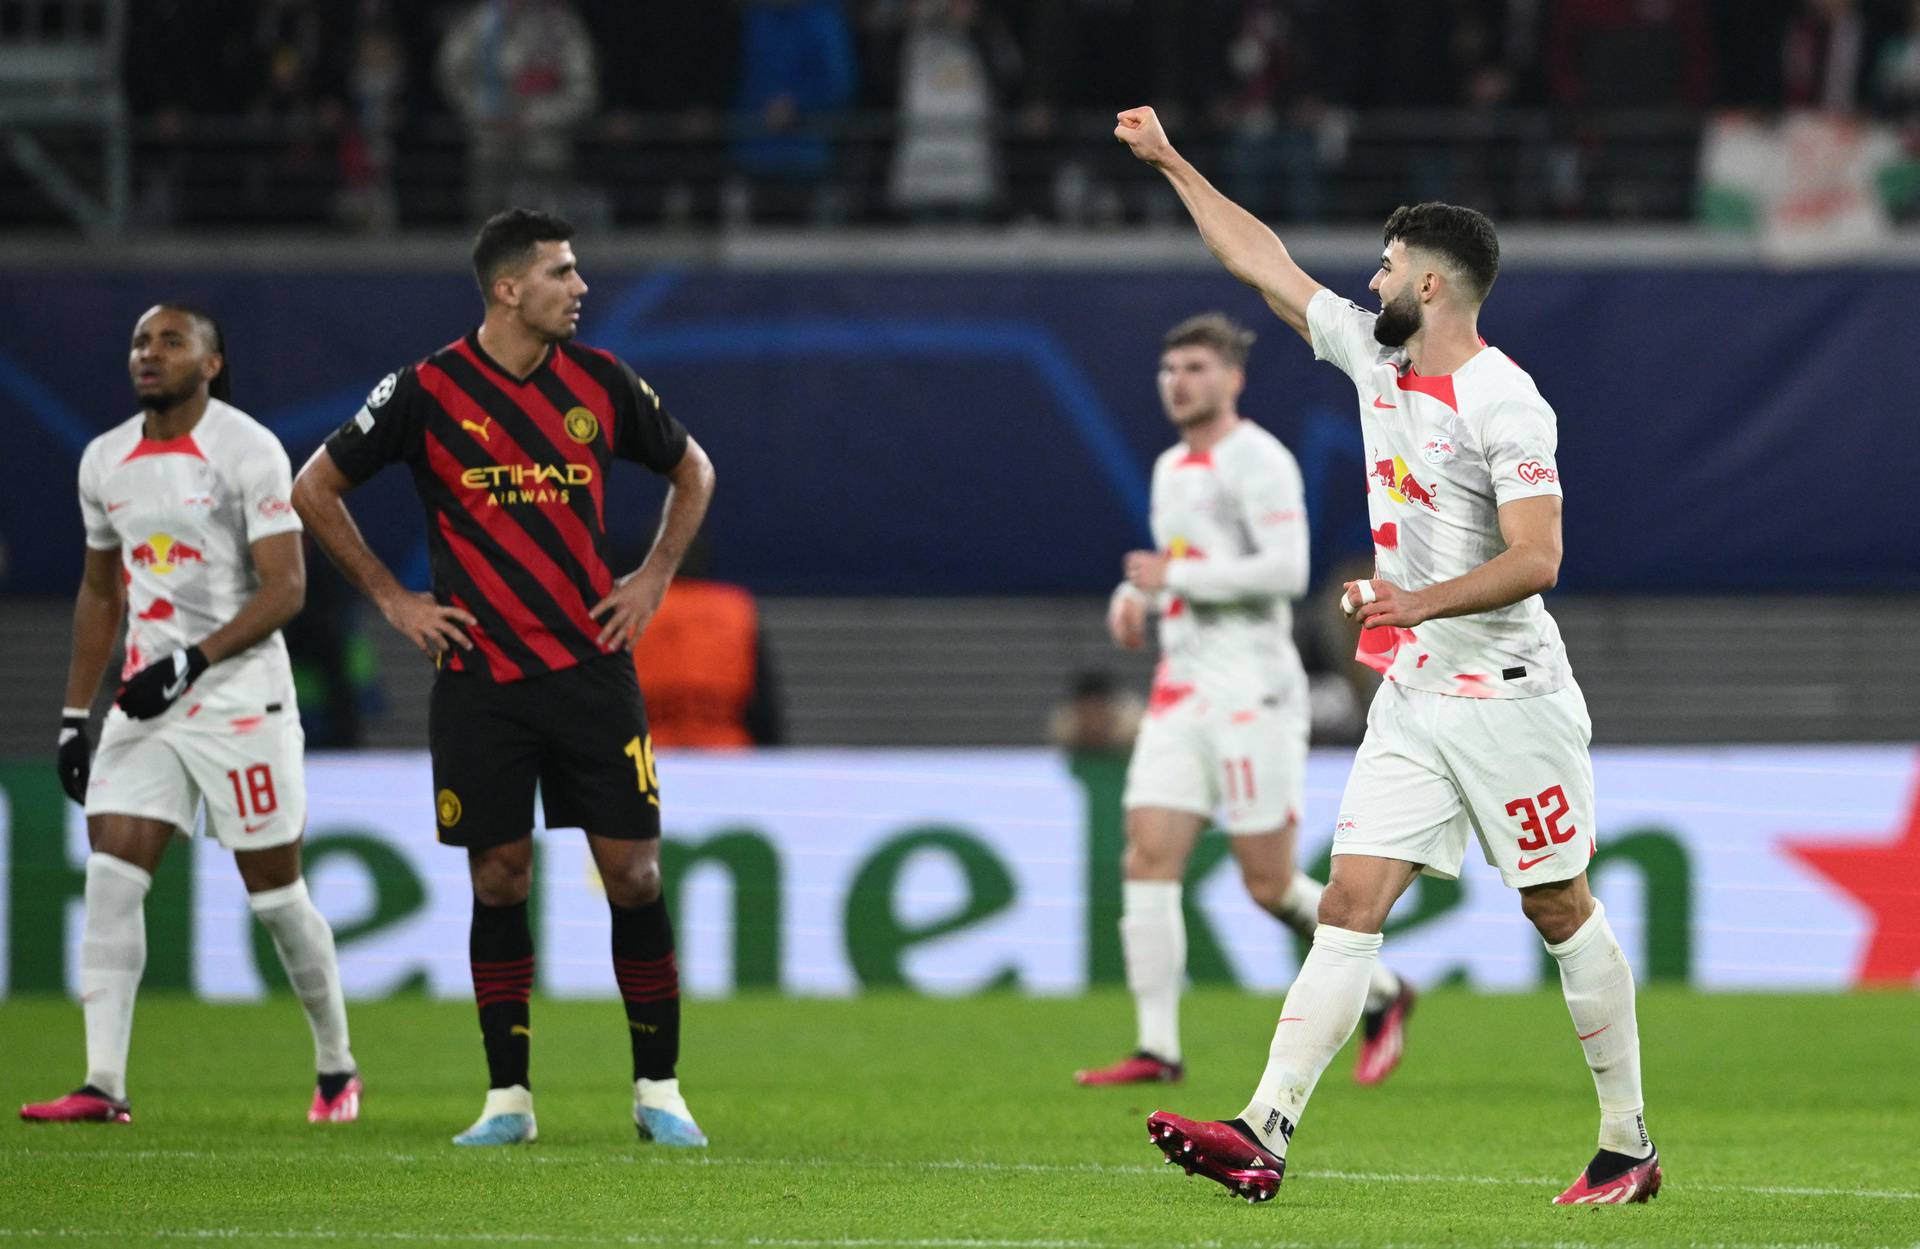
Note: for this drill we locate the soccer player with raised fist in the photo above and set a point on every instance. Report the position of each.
(1479, 731)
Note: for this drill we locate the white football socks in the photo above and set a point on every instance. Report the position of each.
(1598, 982)
(513, 1100)
(662, 1095)
(113, 956)
(1300, 911)
(305, 942)
(1153, 936)
(1300, 905)
(1321, 1010)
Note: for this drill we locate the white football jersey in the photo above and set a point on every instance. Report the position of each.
(1443, 454)
(184, 514)
(1234, 521)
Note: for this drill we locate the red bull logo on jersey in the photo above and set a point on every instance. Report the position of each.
(1401, 485)
(162, 553)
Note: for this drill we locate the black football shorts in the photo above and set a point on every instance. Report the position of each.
(580, 734)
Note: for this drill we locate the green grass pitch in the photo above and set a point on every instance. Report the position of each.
(954, 1123)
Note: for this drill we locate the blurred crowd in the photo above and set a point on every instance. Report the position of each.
(379, 113)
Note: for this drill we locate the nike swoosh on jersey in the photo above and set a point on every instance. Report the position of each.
(254, 828)
(114, 507)
(1527, 863)
(1378, 404)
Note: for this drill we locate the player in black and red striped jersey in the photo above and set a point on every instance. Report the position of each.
(509, 434)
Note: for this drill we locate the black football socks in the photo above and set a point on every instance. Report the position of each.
(643, 963)
(500, 946)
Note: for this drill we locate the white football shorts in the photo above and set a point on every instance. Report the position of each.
(1248, 765)
(249, 773)
(1434, 769)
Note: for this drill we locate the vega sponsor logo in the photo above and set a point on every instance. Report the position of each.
(162, 553)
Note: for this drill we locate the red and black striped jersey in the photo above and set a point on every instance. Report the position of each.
(512, 472)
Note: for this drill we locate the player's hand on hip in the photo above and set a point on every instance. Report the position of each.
(1146, 570)
(1379, 603)
(75, 760)
(1127, 621)
(1140, 130)
(628, 608)
(428, 623)
(156, 687)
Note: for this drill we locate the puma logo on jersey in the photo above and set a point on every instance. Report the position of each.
(481, 429)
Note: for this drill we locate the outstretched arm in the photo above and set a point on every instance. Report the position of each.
(1248, 249)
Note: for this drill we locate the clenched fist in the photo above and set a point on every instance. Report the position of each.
(1140, 130)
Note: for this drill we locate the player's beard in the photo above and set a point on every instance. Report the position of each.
(566, 327)
(1398, 321)
(167, 400)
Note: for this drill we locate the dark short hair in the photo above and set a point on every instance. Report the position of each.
(1228, 338)
(221, 385)
(509, 239)
(1462, 235)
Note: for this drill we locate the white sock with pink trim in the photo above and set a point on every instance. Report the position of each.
(1321, 1010)
(1598, 983)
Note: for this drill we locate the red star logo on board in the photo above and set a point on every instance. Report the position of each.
(1883, 878)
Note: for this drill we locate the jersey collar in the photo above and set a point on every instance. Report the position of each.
(480, 353)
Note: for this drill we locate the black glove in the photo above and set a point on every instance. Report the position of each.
(154, 688)
(75, 760)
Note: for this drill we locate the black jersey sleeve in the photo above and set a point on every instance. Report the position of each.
(644, 431)
(386, 428)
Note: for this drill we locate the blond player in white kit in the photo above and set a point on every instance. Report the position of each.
(1479, 729)
(1227, 720)
(192, 538)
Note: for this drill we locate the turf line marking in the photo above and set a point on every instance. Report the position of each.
(955, 1164)
(800, 1242)
(746, 1242)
